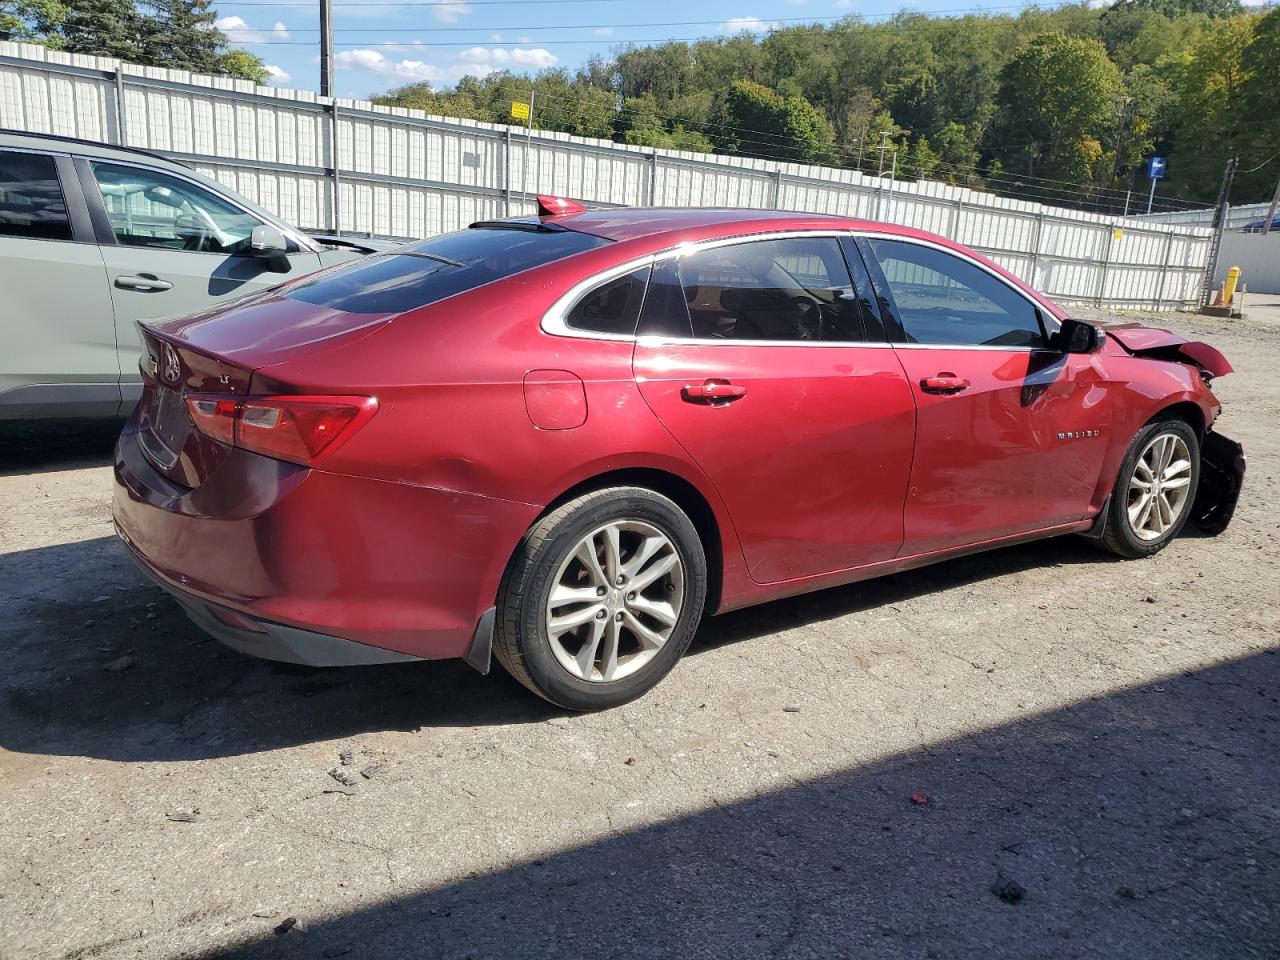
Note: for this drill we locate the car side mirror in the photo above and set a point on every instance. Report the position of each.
(1076, 336)
(269, 243)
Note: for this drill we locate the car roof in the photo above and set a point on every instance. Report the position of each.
(681, 224)
(25, 139)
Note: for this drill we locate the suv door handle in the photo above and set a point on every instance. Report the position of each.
(712, 391)
(944, 383)
(144, 283)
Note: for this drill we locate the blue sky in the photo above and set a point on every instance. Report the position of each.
(381, 44)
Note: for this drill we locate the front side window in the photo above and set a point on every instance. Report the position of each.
(151, 209)
(780, 290)
(612, 307)
(943, 299)
(31, 203)
(423, 273)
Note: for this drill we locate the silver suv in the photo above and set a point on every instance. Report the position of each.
(95, 238)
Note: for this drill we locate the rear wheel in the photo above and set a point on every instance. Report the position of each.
(1154, 491)
(602, 598)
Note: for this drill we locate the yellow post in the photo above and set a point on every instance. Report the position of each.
(1229, 288)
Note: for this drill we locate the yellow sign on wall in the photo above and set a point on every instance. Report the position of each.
(1117, 234)
(519, 110)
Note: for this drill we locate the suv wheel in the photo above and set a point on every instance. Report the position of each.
(602, 598)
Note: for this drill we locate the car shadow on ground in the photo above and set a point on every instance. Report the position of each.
(1142, 824)
(102, 663)
(44, 447)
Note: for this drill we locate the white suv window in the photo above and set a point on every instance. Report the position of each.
(151, 209)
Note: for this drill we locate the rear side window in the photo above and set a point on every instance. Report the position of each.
(945, 300)
(612, 307)
(422, 273)
(31, 203)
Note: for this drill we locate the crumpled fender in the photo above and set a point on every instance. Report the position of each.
(1161, 344)
(1222, 466)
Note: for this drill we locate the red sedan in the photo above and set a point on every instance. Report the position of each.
(563, 439)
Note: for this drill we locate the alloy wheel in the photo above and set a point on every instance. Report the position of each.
(615, 601)
(1159, 486)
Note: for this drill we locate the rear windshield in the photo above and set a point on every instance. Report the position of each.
(422, 273)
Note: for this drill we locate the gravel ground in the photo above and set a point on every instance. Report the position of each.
(862, 772)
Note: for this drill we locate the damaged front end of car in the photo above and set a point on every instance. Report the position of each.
(1222, 466)
(1222, 460)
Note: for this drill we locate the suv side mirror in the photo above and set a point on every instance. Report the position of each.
(1076, 336)
(268, 243)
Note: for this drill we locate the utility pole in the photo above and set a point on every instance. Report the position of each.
(326, 48)
(884, 145)
(1150, 198)
(1271, 210)
(1219, 225)
(528, 141)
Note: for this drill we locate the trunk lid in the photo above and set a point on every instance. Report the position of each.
(216, 353)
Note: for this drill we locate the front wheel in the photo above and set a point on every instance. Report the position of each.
(1154, 491)
(602, 598)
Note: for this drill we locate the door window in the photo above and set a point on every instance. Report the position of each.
(795, 289)
(31, 203)
(940, 298)
(612, 307)
(151, 209)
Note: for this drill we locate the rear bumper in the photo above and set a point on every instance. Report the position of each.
(272, 641)
(331, 569)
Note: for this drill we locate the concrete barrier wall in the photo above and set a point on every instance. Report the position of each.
(1257, 256)
(354, 166)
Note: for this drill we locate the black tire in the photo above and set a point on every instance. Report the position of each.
(522, 642)
(1118, 536)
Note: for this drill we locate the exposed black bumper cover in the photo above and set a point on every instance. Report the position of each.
(1221, 475)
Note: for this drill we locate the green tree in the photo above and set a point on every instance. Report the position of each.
(763, 123)
(243, 65)
(1059, 98)
(1209, 121)
(31, 21)
(1260, 97)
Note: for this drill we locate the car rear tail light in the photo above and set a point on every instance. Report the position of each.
(214, 418)
(298, 429)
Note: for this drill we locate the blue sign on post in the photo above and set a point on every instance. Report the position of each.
(1155, 168)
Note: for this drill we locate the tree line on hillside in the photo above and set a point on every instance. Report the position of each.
(1063, 104)
(178, 34)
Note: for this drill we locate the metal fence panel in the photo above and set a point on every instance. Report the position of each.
(355, 166)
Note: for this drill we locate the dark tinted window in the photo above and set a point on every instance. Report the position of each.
(943, 299)
(612, 307)
(665, 313)
(31, 203)
(795, 289)
(425, 272)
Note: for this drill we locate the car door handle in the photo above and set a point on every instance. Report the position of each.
(712, 391)
(143, 282)
(944, 383)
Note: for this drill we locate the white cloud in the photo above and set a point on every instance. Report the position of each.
(473, 62)
(500, 57)
(277, 77)
(844, 4)
(603, 31)
(746, 25)
(239, 31)
(449, 11)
